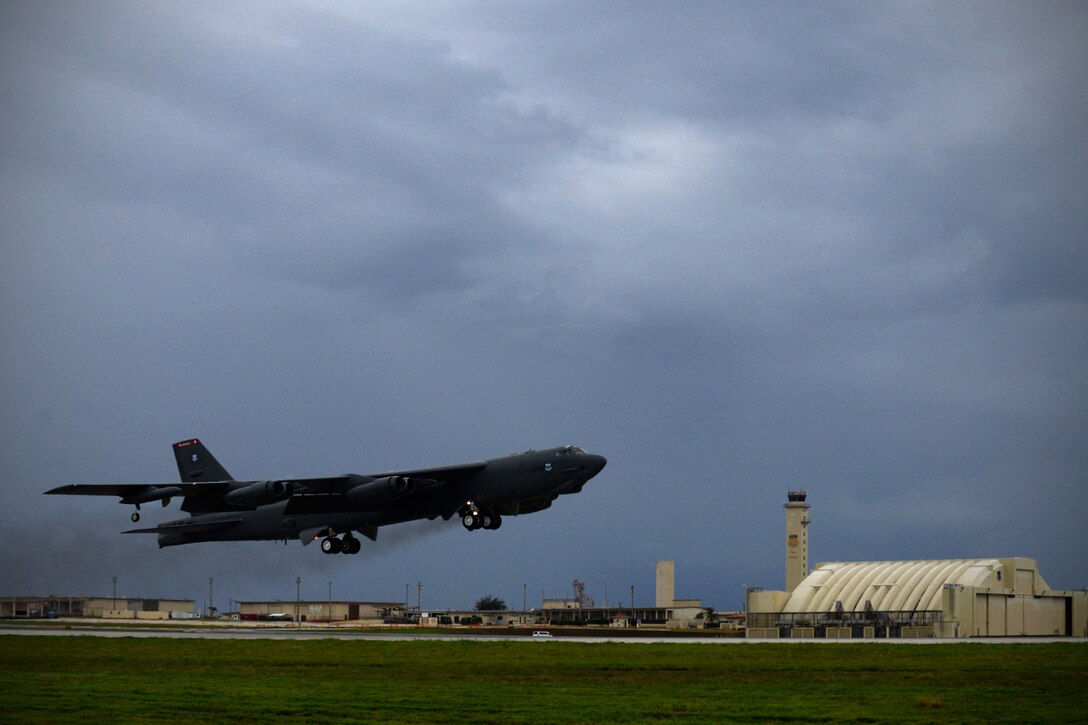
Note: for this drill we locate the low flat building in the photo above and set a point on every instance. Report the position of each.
(53, 605)
(677, 617)
(490, 617)
(321, 611)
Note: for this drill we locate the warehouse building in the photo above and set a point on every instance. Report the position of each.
(668, 611)
(322, 611)
(102, 607)
(1003, 597)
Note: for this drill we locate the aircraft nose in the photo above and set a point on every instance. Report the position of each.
(596, 464)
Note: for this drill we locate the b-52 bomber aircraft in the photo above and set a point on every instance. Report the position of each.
(223, 509)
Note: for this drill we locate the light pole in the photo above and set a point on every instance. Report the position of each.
(298, 599)
(115, 594)
(211, 599)
(419, 599)
(330, 604)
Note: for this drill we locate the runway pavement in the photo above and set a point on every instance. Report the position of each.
(282, 633)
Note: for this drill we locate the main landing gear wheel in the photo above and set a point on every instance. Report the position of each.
(473, 519)
(347, 545)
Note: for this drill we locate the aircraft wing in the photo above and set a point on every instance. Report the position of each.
(429, 477)
(108, 489)
(187, 527)
(318, 495)
(442, 473)
(139, 492)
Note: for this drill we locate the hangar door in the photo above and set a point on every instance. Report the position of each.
(1002, 615)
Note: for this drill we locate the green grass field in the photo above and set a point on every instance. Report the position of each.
(91, 680)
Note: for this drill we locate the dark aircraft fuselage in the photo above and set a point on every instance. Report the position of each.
(224, 509)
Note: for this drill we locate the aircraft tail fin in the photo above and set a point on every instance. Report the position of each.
(196, 463)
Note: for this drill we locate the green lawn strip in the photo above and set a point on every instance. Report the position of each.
(81, 679)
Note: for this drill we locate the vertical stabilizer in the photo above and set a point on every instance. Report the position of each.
(195, 463)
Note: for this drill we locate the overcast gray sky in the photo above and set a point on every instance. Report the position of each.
(737, 248)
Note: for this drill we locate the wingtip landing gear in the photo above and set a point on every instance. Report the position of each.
(135, 514)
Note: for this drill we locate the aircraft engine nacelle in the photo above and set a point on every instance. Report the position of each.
(259, 493)
(380, 489)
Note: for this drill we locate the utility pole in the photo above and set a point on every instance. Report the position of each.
(419, 599)
(632, 596)
(524, 598)
(298, 599)
(115, 594)
(211, 599)
(330, 604)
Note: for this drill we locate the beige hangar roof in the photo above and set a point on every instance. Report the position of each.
(890, 585)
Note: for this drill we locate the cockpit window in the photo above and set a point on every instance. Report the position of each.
(570, 451)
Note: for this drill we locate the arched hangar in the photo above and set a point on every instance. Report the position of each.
(929, 598)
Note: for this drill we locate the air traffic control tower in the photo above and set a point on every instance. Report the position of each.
(796, 539)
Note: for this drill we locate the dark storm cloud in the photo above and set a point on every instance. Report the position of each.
(375, 145)
(737, 248)
(753, 63)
